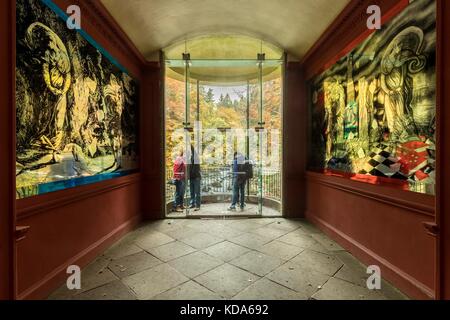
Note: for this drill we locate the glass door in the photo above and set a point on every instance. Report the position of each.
(271, 119)
(226, 129)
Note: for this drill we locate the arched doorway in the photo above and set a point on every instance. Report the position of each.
(223, 106)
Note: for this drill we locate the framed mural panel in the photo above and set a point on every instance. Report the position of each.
(373, 111)
(76, 107)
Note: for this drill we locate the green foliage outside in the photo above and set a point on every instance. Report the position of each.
(221, 112)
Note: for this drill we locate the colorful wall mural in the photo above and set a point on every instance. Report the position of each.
(76, 107)
(373, 111)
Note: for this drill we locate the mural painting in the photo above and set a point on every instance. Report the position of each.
(373, 111)
(76, 107)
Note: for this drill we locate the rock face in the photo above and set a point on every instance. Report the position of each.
(76, 109)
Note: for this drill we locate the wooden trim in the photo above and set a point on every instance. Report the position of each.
(13, 148)
(52, 280)
(35, 205)
(394, 274)
(296, 176)
(161, 98)
(7, 150)
(294, 141)
(443, 131)
(413, 202)
(284, 101)
(152, 176)
(439, 137)
(153, 146)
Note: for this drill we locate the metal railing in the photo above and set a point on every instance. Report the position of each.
(219, 180)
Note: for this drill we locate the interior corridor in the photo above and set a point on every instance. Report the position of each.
(244, 259)
(239, 149)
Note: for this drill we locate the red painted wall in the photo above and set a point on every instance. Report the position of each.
(6, 158)
(74, 229)
(153, 143)
(294, 142)
(378, 224)
(443, 185)
(73, 226)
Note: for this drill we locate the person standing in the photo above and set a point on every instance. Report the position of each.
(195, 180)
(239, 181)
(179, 175)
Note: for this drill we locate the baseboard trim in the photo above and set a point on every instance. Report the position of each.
(55, 278)
(405, 282)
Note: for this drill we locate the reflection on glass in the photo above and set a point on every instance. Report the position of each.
(232, 105)
(373, 113)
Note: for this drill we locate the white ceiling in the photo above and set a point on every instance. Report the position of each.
(293, 25)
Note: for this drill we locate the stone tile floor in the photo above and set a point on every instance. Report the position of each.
(190, 259)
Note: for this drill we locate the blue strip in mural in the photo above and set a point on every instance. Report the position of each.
(65, 184)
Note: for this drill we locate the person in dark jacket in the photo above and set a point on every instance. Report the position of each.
(239, 181)
(195, 177)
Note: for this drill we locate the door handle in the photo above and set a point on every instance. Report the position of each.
(432, 228)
